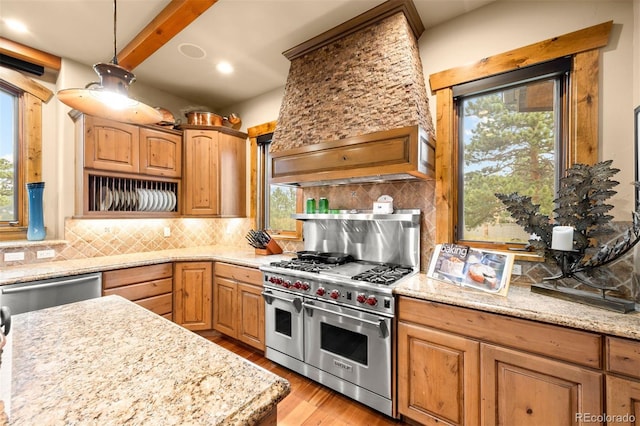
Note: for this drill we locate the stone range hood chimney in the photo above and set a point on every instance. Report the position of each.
(355, 106)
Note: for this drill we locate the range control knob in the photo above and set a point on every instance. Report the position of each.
(372, 301)
(305, 286)
(286, 284)
(361, 298)
(320, 291)
(334, 294)
(297, 284)
(272, 279)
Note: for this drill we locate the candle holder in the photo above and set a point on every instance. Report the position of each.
(580, 206)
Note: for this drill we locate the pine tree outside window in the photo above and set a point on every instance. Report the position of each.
(511, 138)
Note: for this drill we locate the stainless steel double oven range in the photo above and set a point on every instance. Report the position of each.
(329, 313)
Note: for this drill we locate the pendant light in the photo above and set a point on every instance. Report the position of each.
(109, 98)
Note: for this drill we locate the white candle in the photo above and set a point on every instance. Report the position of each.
(562, 238)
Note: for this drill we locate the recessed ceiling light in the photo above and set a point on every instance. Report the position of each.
(224, 67)
(16, 26)
(192, 51)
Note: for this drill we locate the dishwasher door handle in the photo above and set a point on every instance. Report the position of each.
(43, 285)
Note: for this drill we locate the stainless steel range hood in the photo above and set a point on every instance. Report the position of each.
(405, 153)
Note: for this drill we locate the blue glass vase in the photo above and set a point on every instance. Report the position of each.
(35, 231)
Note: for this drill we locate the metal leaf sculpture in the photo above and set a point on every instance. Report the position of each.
(581, 203)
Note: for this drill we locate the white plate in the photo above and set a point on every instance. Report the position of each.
(142, 200)
(167, 196)
(155, 201)
(106, 198)
(173, 201)
(165, 200)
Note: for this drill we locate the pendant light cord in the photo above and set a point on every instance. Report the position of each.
(115, 18)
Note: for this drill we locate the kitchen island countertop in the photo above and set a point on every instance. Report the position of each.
(109, 361)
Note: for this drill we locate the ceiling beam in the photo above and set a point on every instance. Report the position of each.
(29, 54)
(176, 16)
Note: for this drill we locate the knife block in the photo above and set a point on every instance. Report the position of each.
(272, 248)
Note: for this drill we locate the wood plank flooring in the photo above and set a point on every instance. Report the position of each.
(309, 403)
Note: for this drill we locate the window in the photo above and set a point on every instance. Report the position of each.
(9, 175)
(21, 146)
(274, 203)
(575, 111)
(511, 138)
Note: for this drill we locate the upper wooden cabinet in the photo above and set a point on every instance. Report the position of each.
(214, 177)
(126, 170)
(120, 147)
(160, 153)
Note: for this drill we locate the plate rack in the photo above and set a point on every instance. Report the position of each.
(120, 194)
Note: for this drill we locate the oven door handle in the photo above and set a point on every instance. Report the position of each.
(296, 301)
(381, 323)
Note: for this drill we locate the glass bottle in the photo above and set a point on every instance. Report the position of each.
(35, 230)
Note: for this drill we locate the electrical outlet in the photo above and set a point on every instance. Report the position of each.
(14, 257)
(167, 231)
(517, 269)
(45, 254)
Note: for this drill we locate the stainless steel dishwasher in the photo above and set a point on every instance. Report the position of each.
(34, 295)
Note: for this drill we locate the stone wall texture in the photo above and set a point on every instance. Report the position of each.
(365, 82)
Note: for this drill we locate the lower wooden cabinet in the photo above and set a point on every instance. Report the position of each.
(192, 295)
(238, 308)
(439, 382)
(523, 389)
(458, 366)
(148, 286)
(623, 381)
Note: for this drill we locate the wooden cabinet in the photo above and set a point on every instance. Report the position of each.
(127, 148)
(238, 309)
(148, 286)
(459, 366)
(126, 170)
(438, 377)
(111, 145)
(192, 295)
(160, 153)
(214, 173)
(527, 390)
(623, 381)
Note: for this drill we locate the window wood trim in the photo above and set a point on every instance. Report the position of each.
(254, 132)
(30, 144)
(583, 45)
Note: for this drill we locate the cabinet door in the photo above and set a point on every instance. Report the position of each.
(527, 390)
(438, 376)
(251, 315)
(160, 153)
(111, 145)
(192, 295)
(225, 306)
(200, 177)
(232, 161)
(623, 401)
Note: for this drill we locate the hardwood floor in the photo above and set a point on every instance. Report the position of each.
(309, 403)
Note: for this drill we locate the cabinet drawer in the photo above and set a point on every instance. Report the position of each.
(120, 277)
(143, 290)
(623, 356)
(161, 305)
(239, 273)
(575, 346)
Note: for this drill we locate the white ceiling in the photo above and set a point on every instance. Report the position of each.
(250, 34)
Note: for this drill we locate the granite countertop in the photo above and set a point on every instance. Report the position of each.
(54, 269)
(522, 303)
(109, 361)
